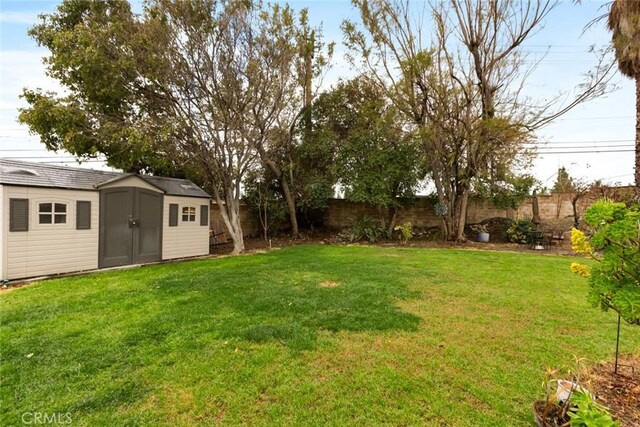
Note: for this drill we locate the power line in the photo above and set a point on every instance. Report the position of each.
(65, 163)
(580, 147)
(618, 176)
(603, 141)
(598, 118)
(19, 136)
(33, 150)
(40, 157)
(584, 152)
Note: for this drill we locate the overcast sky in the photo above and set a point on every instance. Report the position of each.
(603, 128)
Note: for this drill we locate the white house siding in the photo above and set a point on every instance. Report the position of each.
(187, 238)
(49, 248)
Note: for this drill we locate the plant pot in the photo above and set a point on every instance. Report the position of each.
(552, 418)
(483, 237)
(566, 388)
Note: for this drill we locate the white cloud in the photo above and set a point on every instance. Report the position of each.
(20, 69)
(19, 17)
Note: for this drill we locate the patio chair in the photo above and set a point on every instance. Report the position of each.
(557, 237)
(536, 239)
(217, 238)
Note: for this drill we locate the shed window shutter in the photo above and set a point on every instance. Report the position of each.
(18, 214)
(83, 215)
(173, 215)
(204, 215)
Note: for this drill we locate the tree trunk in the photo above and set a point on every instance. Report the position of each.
(637, 171)
(230, 212)
(288, 197)
(392, 215)
(308, 83)
(291, 207)
(576, 215)
(265, 223)
(463, 200)
(535, 208)
(450, 217)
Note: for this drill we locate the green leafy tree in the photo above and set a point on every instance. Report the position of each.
(198, 85)
(109, 108)
(301, 58)
(511, 192)
(614, 243)
(564, 183)
(314, 173)
(378, 162)
(264, 201)
(461, 94)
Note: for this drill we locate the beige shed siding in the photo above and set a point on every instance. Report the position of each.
(49, 248)
(3, 240)
(187, 238)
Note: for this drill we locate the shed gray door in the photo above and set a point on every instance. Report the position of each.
(130, 226)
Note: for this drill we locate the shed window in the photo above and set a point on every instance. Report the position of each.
(52, 213)
(173, 215)
(83, 215)
(18, 215)
(204, 214)
(188, 214)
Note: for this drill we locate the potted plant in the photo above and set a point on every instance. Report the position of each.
(551, 411)
(483, 232)
(567, 403)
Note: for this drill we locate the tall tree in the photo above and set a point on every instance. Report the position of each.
(302, 57)
(378, 161)
(199, 83)
(624, 23)
(463, 97)
(106, 109)
(564, 183)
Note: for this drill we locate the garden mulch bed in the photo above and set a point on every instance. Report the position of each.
(252, 244)
(621, 392)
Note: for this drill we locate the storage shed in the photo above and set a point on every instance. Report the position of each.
(59, 220)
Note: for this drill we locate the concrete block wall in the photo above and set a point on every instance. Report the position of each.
(249, 228)
(556, 212)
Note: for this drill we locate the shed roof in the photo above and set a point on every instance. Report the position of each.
(14, 172)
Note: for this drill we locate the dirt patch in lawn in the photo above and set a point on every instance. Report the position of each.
(329, 284)
(619, 392)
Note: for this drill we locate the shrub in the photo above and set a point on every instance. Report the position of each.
(518, 231)
(366, 228)
(406, 232)
(613, 242)
(480, 228)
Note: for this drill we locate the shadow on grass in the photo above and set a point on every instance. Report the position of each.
(277, 297)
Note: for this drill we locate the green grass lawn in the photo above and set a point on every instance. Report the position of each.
(408, 336)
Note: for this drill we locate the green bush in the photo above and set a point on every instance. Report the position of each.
(613, 242)
(406, 232)
(519, 230)
(366, 228)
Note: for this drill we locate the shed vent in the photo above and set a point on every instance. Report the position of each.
(17, 171)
